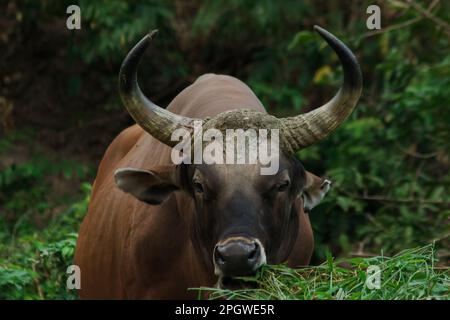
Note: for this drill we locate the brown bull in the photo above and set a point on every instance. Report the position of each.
(155, 229)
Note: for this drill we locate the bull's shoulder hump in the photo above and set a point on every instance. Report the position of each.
(212, 94)
(216, 77)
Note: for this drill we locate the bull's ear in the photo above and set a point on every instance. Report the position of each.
(315, 189)
(150, 186)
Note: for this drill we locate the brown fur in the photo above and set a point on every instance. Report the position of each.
(129, 249)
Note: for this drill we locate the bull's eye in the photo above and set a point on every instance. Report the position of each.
(283, 186)
(198, 187)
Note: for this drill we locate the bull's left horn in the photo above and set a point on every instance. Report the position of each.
(160, 123)
(306, 129)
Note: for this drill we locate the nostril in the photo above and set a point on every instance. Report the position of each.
(254, 253)
(219, 257)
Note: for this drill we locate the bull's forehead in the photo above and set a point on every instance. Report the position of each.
(238, 176)
(227, 171)
(242, 132)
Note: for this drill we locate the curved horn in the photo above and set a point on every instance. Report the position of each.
(160, 123)
(306, 129)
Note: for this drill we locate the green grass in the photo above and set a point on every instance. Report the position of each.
(33, 262)
(411, 274)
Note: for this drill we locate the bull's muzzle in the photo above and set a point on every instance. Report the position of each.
(238, 256)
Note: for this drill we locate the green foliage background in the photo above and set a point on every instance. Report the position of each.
(59, 109)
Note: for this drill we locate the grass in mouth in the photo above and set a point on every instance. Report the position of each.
(409, 275)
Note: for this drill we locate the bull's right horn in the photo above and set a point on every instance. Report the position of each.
(159, 122)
